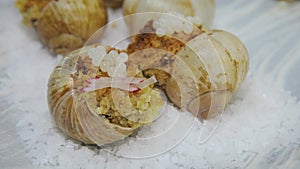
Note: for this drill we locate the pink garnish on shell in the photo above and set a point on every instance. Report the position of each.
(129, 83)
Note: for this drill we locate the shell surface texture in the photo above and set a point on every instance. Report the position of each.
(94, 107)
(199, 69)
(63, 25)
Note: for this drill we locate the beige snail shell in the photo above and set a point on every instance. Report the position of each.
(199, 70)
(63, 25)
(203, 9)
(93, 117)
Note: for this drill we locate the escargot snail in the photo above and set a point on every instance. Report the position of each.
(203, 9)
(198, 68)
(95, 100)
(63, 25)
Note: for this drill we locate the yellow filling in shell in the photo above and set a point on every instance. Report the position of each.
(118, 107)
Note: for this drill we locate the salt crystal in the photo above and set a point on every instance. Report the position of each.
(120, 71)
(176, 23)
(123, 57)
(96, 54)
(188, 28)
(104, 66)
(160, 32)
(113, 53)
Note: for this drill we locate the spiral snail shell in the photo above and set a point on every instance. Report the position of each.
(63, 25)
(98, 116)
(203, 9)
(199, 69)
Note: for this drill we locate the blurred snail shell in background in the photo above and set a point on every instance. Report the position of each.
(63, 25)
(199, 69)
(203, 9)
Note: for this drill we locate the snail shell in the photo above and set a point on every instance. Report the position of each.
(93, 117)
(199, 70)
(64, 25)
(203, 9)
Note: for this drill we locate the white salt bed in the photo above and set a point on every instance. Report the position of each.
(259, 129)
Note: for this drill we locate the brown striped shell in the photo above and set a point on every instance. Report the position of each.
(94, 117)
(64, 25)
(199, 71)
